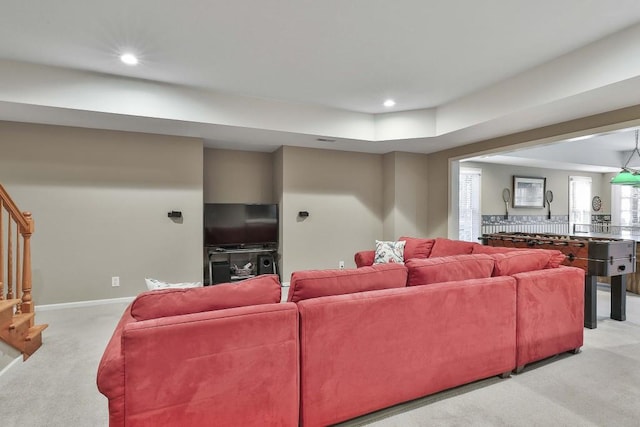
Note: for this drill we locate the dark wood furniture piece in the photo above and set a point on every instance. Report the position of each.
(597, 256)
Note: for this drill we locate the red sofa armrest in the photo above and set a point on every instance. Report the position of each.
(364, 258)
(550, 312)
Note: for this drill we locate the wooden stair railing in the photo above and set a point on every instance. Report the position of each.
(17, 317)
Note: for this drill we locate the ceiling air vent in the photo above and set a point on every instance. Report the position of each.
(325, 140)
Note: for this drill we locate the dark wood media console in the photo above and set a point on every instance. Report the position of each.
(220, 263)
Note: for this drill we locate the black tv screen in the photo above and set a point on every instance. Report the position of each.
(235, 224)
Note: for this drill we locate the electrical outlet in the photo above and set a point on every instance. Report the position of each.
(341, 265)
(115, 281)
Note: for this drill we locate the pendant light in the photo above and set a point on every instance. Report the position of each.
(628, 176)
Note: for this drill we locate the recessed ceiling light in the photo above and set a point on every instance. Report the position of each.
(389, 103)
(129, 59)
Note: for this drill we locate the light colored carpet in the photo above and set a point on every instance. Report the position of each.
(57, 385)
(598, 387)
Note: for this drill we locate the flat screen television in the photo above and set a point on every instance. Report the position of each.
(238, 225)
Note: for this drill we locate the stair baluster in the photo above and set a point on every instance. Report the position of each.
(27, 303)
(18, 270)
(9, 260)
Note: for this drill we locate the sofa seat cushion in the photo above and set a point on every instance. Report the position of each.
(514, 262)
(449, 268)
(320, 283)
(416, 247)
(264, 289)
(446, 247)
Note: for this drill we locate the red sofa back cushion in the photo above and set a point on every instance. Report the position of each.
(555, 260)
(264, 289)
(446, 247)
(417, 248)
(483, 249)
(320, 283)
(450, 268)
(515, 262)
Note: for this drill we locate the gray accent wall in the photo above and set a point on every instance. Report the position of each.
(100, 200)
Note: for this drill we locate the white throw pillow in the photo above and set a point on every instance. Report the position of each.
(153, 284)
(389, 252)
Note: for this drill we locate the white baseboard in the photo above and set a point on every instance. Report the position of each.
(48, 307)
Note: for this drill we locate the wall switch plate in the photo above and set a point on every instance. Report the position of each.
(115, 281)
(341, 265)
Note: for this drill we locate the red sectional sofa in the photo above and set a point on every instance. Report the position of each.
(346, 343)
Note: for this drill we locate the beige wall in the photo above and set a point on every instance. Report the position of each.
(405, 195)
(439, 163)
(496, 177)
(342, 193)
(353, 198)
(100, 201)
(278, 190)
(389, 196)
(238, 176)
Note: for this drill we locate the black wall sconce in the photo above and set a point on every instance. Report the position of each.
(175, 214)
(303, 214)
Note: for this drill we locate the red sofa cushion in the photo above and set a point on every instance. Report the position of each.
(366, 351)
(515, 262)
(555, 260)
(416, 247)
(264, 289)
(450, 268)
(446, 247)
(364, 258)
(320, 283)
(483, 249)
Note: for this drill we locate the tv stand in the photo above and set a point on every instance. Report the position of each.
(220, 263)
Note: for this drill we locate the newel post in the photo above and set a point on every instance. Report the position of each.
(27, 303)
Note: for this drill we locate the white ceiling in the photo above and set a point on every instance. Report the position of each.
(600, 153)
(253, 74)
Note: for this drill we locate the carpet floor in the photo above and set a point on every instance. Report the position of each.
(598, 387)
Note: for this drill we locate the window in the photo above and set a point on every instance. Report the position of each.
(626, 205)
(579, 200)
(469, 217)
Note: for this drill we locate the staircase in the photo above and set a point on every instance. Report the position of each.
(17, 316)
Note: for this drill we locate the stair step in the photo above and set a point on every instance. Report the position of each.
(6, 310)
(30, 347)
(20, 319)
(7, 303)
(34, 331)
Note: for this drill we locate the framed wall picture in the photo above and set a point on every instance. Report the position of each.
(528, 192)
